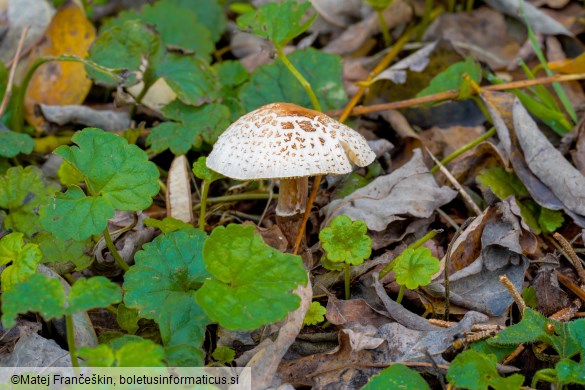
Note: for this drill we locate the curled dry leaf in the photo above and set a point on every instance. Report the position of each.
(410, 190)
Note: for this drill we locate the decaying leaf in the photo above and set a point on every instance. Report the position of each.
(58, 83)
(539, 21)
(410, 190)
(107, 120)
(179, 201)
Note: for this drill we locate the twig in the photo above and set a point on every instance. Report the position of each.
(456, 184)
(571, 286)
(513, 292)
(8, 92)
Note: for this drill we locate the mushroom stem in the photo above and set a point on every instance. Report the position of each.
(292, 201)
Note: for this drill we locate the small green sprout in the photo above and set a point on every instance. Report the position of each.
(224, 355)
(346, 241)
(414, 268)
(315, 314)
(208, 176)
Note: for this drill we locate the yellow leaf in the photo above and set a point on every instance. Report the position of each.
(60, 83)
(571, 66)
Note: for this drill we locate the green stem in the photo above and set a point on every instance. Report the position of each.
(384, 28)
(400, 294)
(18, 114)
(305, 84)
(71, 340)
(235, 198)
(465, 148)
(347, 280)
(204, 191)
(414, 245)
(114, 251)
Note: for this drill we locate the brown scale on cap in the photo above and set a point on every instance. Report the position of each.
(283, 140)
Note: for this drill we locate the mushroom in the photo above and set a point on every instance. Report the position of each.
(288, 142)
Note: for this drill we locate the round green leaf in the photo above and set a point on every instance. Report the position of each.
(126, 351)
(119, 172)
(315, 314)
(161, 286)
(90, 293)
(346, 241)
(39, 293)
(201, 171)
(56, 250)
(12, 143)
(274, 83)
(209, 13)
(74, 215)
(397, 376)
(252, 280)
(415, 267)
(25, 259)
(476, 371)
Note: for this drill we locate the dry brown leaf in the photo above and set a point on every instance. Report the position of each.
(60, 83)
(179, 201)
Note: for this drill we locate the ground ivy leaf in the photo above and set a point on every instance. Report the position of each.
(232, 76)
(73, 215)
(191, 127)
(127, 318)
(201, 171)
(168, 224)
(209, 13)
(278, 22)
(415, 267)
(346, 240)
(12, 143)
(98, 356)
(252, 280)
(190, 77)
(123, 47)
(90, 293)
(315, 314)
(569, 371)
(69, 175)
(57, 250)
(550, 220)
(274, 83)
(114, 169)
(21, 192)
(161, 286)
(177, 25)
(502, 183)
(126, 351)
(472, 370)
(397, 376)
(39, 293)
(24, 257)
(223, 355)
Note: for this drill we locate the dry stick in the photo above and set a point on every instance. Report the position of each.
(572, 256)
(450, 95)
(8, 92)
(571, 286)
(456, 184)
(343, 116)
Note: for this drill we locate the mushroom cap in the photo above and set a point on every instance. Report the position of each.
(283, 140)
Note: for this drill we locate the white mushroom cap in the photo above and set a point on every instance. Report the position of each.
(283, 140)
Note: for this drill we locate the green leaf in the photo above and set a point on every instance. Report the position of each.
(119, 172)
(577, 330)
(24, 257)
(191, 127)
(555, 119)
(190, 77)
(223, 355)
(415, 267)
(532, 328)
(346, 241)
(127, 318)
(177, 26)
(502, 183)
(232, 76)
(123, 47)
(201, 171)
(56, 250)
(331, 265)
(379, 5)
(12, 143)
(550, 220)
(209, 13)
(453, 78)
(69, 175)
(168, 224)
(90, 293)
(569, 371)
(475, 371)
(397, 376)
(161, 286)
(274, 83)
(21, 193)
(126, 351)
(39, 293)
(500, 351)
(278, 22)
(315, 314)
(529, 297)
(73, 215)
(252, 280)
